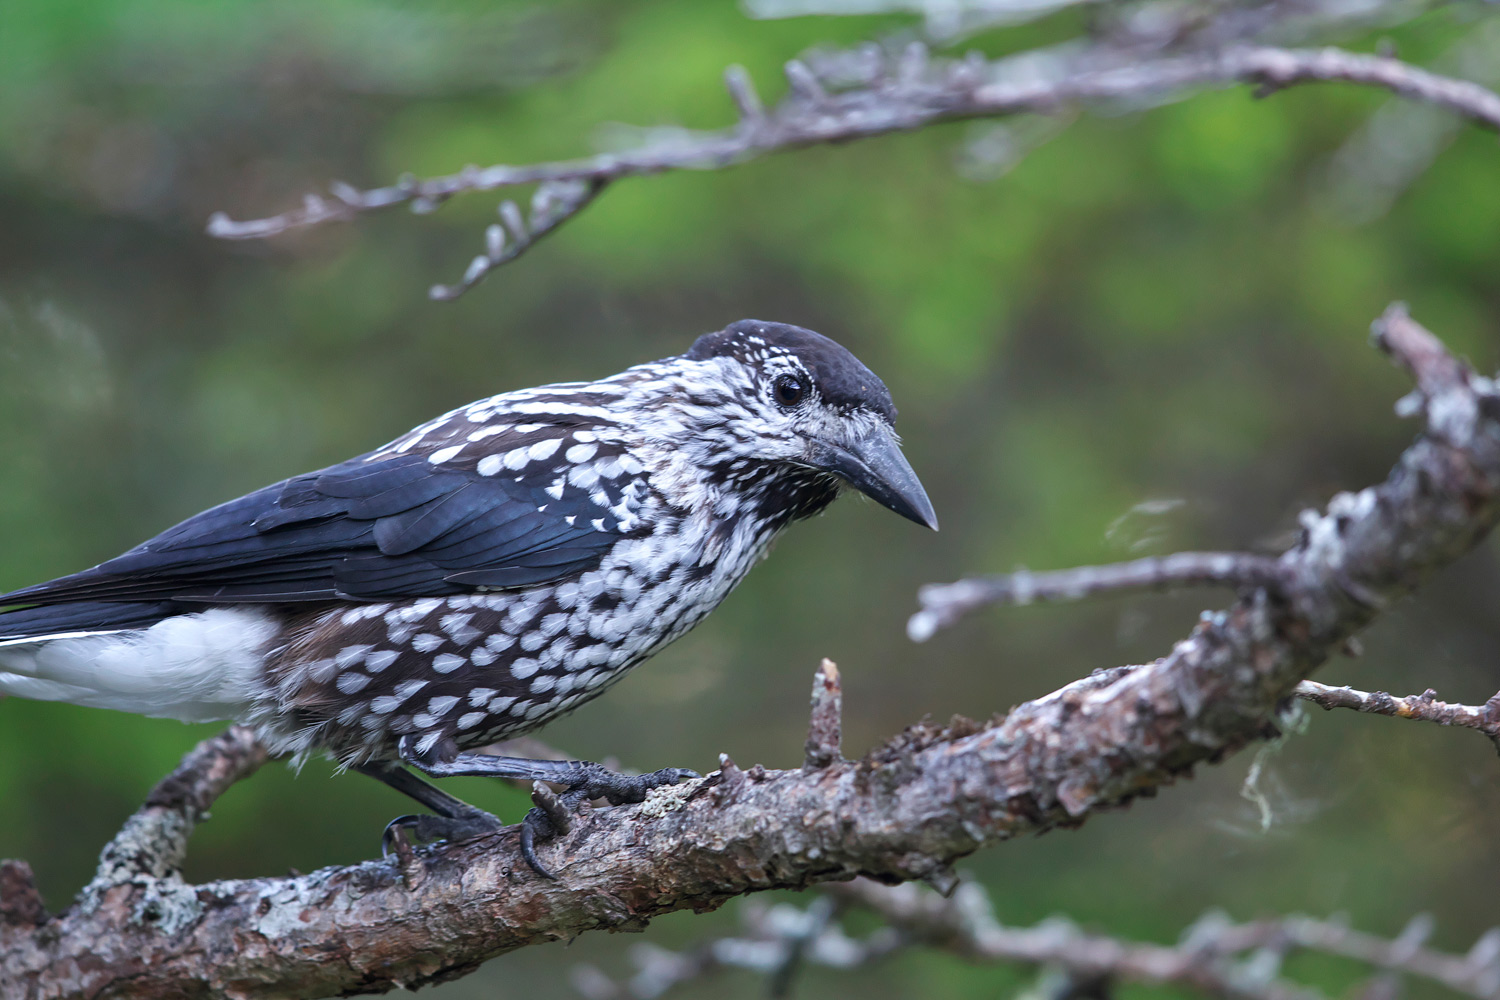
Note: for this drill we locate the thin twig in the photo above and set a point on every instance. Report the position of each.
(1424, 707)
(1215, 956)
(907, 91)
(825, 728)
(555, 203)
(1204, 959)
(945, 603)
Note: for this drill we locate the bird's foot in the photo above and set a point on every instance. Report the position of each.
(582, 780)
(553, 815)
(425, 828)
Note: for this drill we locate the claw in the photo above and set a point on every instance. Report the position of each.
(552, 814)
(392, 830)
(583, 780)
(529, 824)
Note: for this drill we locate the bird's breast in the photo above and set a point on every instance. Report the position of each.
(484, 666)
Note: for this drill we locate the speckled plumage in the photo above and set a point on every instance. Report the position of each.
(486, 572)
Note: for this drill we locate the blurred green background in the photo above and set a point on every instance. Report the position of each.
(1148, 334)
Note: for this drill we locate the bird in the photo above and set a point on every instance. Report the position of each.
(477, 577)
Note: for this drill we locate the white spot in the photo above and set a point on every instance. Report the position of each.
(446, 663)
(357, 615)
(555, 491)
(350, 654)
(478, 696)
(482, 657)
(376, 662)
(543, 683)
(519, 614)
(426, 642)
(440, 704)
(499, 642)
(581, 452)
(350, 682)
(406, 689)
(524, 668)
(322, 671)
(489, 465)
(445, 454)
(544, 450)
(426, 606)
(500, 705)
(471, 719)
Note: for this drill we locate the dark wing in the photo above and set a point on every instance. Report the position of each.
(371, 529)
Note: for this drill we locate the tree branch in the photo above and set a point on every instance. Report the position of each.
(153, 842)
(945, 603)
(889, 93)
(1211, 955)
(1215, 956)
(1424, 707)
(907, 810)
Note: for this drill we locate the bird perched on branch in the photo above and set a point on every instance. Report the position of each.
(478, 576)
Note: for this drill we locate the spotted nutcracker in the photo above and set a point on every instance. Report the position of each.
(480, 575)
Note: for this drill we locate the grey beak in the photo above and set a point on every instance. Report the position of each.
(875, 466)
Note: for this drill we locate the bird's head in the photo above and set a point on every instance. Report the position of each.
(765, 394)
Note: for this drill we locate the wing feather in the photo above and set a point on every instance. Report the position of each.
(374, 528)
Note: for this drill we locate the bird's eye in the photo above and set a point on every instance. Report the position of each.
(789, 390)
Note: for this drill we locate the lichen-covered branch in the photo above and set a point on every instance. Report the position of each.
(906, 810)
(1215, 956)
(839, 97)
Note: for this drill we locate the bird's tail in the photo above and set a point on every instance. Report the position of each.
(196, 667)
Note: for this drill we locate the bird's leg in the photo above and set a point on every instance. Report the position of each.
(455, 819)
(582, 779)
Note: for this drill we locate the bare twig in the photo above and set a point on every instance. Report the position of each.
(906, 811)
(772, 935)
(825, 730)
(1215, 956)
(1424, 707)
(1206, 957)
(945, 603)
(904, 91)
(965, 925)
(554, 203)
